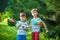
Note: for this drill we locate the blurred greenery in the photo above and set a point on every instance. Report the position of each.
(49, 12)
(10, 33)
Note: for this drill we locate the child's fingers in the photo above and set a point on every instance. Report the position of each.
(47, 31)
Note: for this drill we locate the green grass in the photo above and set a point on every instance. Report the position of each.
(9, 33)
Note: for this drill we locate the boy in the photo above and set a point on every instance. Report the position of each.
(22, 27)
(36, 23)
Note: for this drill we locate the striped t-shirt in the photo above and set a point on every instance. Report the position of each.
(21, 31)
(35, 28)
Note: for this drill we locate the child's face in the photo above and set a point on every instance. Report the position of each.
(34, 13)
(23, 18)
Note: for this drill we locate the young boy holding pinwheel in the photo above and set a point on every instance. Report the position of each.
(22, 27)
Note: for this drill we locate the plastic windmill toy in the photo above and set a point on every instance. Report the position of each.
(37, 22)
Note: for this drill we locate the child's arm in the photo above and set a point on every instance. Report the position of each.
(45, 26)
(26, 29)
(18, 26)
(29, 26)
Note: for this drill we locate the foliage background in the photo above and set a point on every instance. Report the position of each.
(49, 12)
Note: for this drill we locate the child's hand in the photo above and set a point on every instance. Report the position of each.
(29, 27)
(25, 29)
(18, 26)
(47, 31)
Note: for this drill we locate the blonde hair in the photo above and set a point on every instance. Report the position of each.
(33, 10)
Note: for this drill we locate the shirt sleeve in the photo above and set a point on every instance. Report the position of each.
(18, 23)
(40, 19)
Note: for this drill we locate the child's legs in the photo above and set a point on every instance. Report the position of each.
(36, 35)
(18, 37)
(23, 37)
(33, 35)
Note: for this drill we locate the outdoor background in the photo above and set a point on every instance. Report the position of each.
(49, 12)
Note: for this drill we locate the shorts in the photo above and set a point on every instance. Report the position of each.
(35, 35)
(21, 37)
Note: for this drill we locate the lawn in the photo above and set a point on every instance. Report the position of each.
(9, 33)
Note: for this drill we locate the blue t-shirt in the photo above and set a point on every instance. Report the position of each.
(35, 28)
(21, 31)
